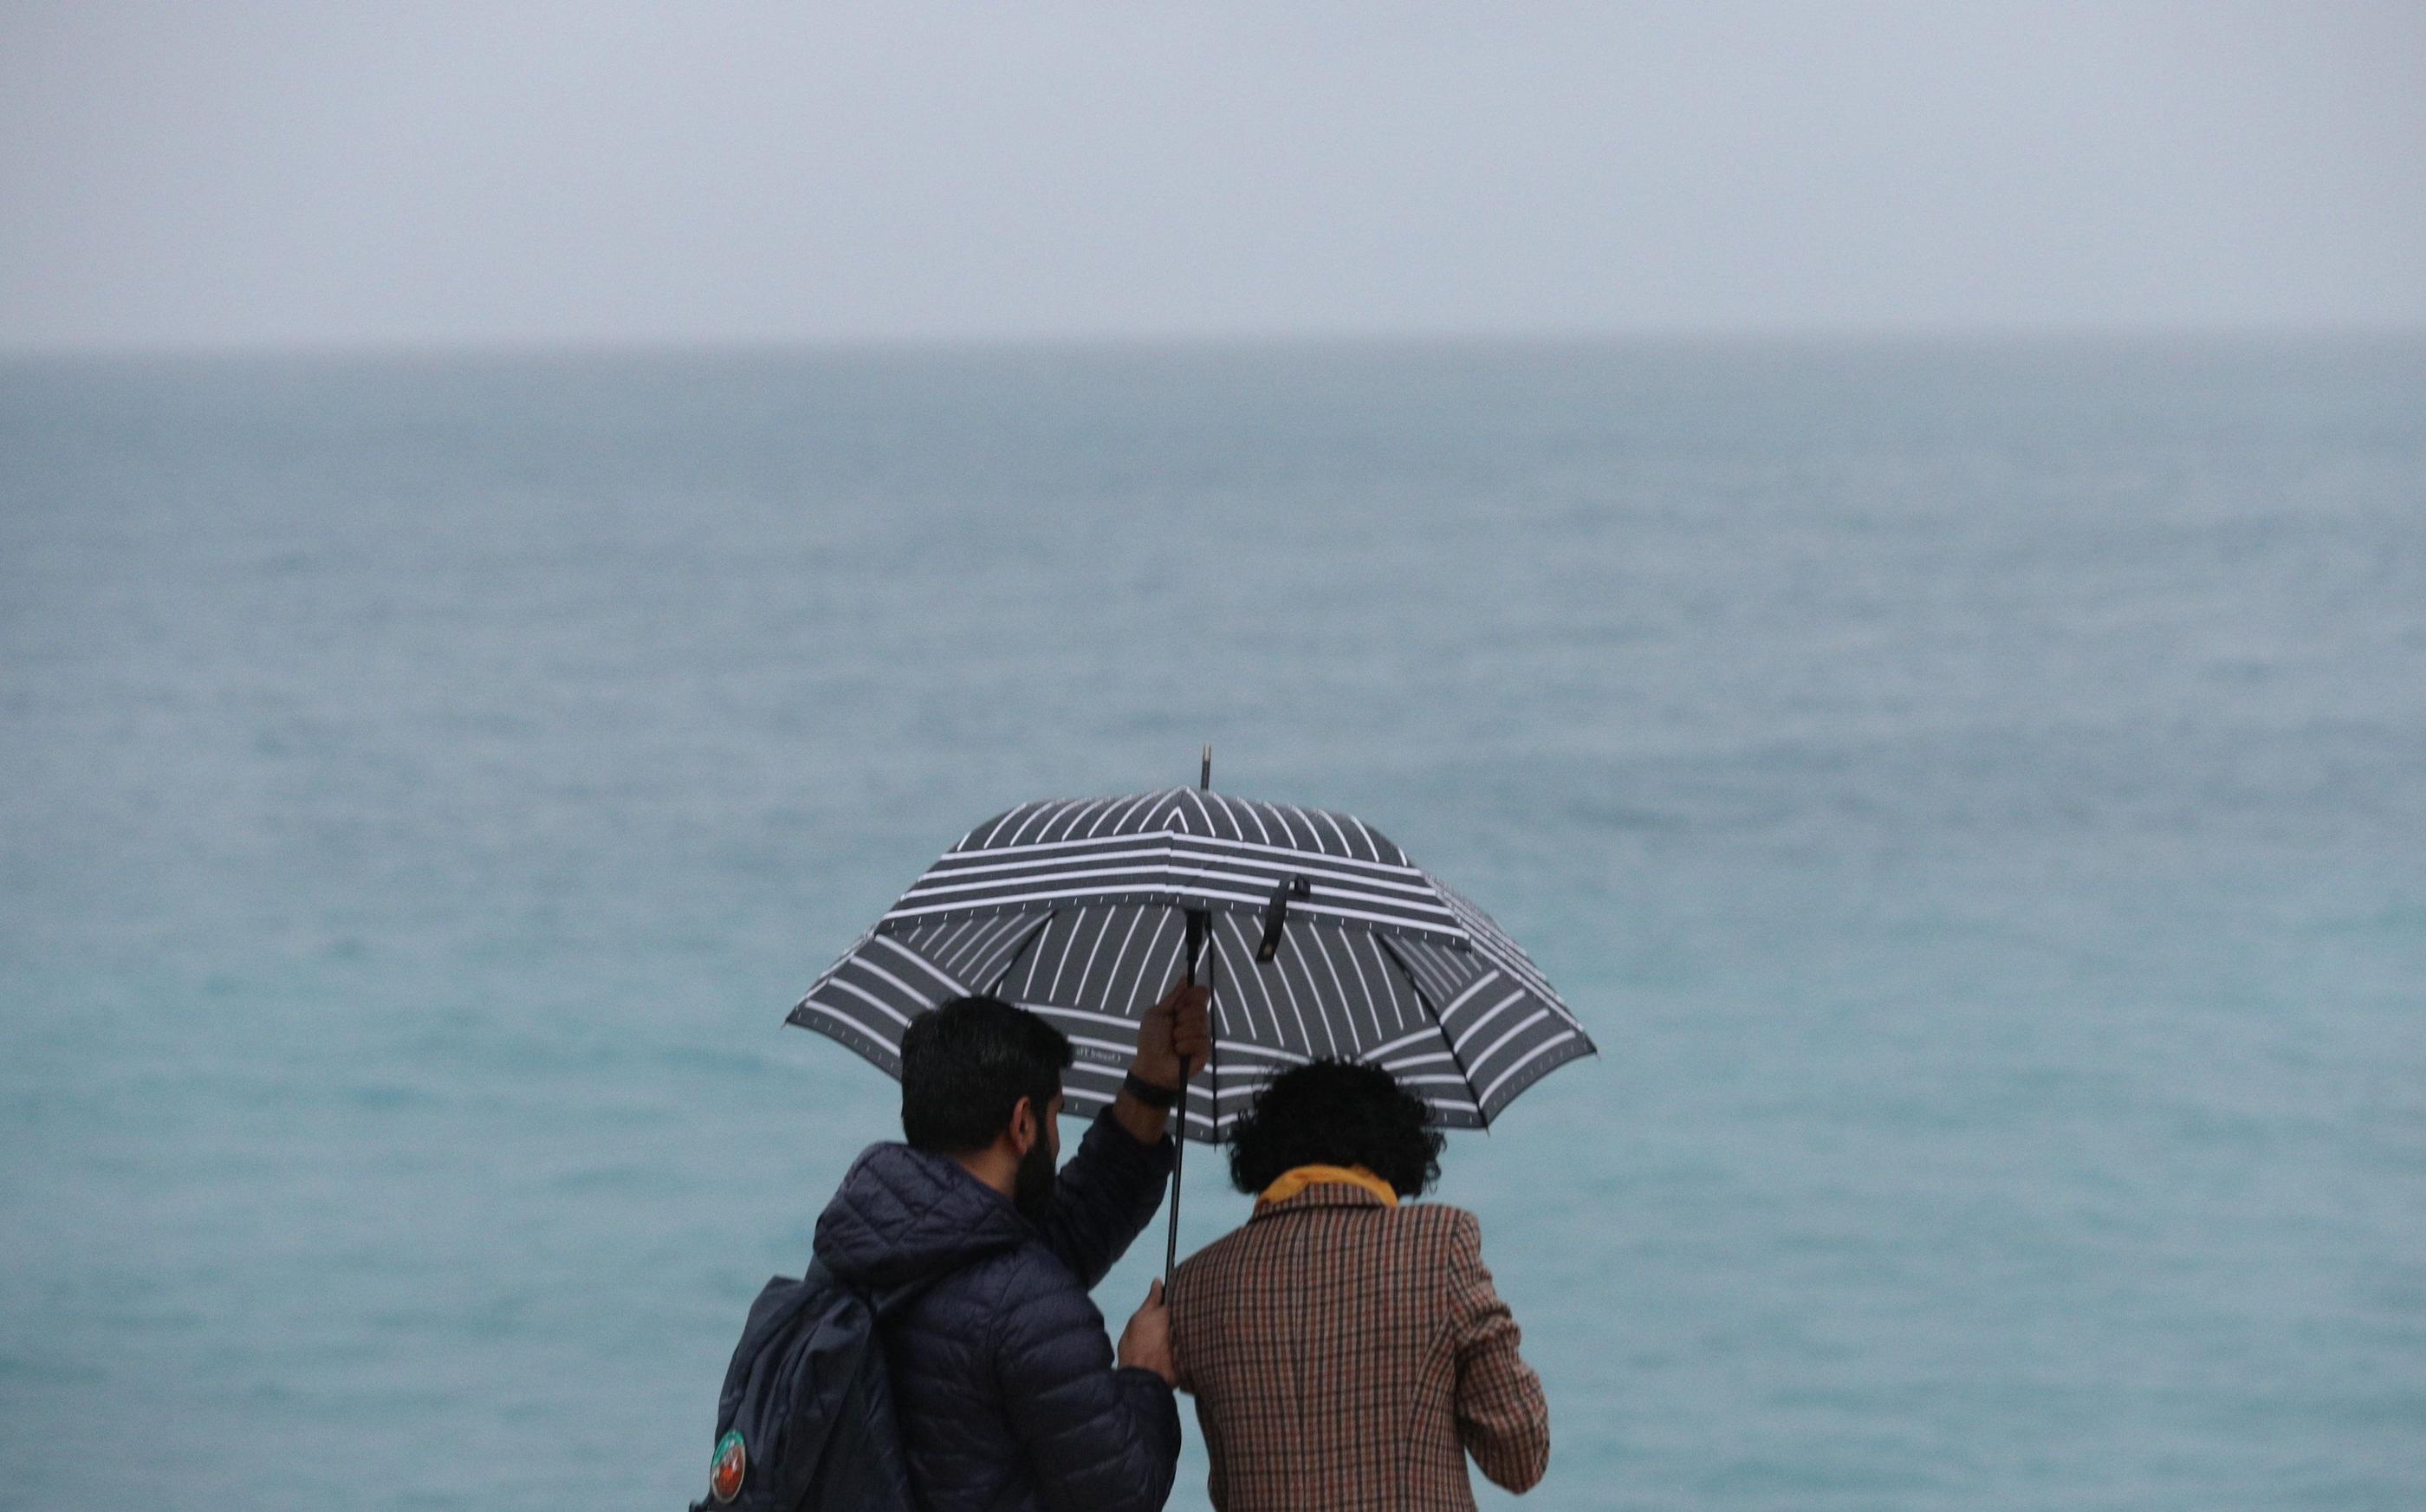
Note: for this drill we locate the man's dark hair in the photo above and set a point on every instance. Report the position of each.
(966, 1064)
(1333, 1112)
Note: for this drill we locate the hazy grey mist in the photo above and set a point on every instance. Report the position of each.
(256, 174)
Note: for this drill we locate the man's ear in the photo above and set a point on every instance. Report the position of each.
(1024, 1130)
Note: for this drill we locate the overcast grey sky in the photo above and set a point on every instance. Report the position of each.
(320, 173)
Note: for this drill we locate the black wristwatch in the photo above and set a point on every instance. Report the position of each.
(1147, 1093)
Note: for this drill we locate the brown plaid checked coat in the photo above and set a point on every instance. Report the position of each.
(1346, 1354)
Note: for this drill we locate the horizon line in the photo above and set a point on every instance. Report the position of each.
(873, 344)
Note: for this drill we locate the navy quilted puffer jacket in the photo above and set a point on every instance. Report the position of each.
(1002, 1373)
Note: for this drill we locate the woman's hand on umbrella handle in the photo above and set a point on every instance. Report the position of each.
(1146, 1343)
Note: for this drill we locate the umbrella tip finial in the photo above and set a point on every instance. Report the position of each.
(1205, 775)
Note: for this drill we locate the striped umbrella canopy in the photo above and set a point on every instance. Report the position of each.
(1078, 908)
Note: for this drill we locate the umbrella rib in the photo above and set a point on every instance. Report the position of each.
(988, 937)
(1525, 1060)
(1459, 1061)
(1033, 935)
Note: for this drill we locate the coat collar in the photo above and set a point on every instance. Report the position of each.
(1324, 1195)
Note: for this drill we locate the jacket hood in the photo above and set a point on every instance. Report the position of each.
(904, 1215)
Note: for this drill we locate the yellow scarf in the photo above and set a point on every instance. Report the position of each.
(1293, 1182)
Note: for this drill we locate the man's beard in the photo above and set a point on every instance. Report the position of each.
(1031, 1190)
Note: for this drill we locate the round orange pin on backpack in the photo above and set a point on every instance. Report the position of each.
(725, 1471)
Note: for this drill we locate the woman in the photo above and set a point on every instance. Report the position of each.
(1346, 1349)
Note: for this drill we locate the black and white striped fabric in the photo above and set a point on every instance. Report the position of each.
(1077, 909)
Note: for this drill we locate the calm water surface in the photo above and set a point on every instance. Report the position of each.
(1975, 796)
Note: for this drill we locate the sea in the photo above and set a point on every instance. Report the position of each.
(1973, 792)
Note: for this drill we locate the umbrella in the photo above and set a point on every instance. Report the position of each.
(1316, 936)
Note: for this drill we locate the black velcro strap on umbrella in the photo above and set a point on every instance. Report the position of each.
(1276, 914)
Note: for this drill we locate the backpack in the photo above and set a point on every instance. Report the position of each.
(805, 1421)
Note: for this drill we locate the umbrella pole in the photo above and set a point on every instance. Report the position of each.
(1188, 978)
(1170, 1242)
(1196, 923)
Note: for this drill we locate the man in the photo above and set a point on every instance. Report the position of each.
(1344, 1349)
(1007, 1392)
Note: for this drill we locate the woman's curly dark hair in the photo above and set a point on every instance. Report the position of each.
(1333, 1112)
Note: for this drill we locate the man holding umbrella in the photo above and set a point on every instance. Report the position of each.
(1008, 1390)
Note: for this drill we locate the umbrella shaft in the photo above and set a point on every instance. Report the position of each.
(1170, 1244)
(1196, 924)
